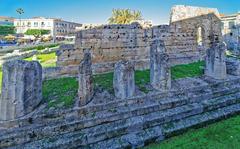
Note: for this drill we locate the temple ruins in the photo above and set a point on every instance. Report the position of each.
(129, 117)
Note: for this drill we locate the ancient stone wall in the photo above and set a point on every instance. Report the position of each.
(111, 43)
(181, 12)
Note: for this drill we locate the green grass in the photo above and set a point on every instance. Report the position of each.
(104, 81)
(40, 47)
(60, 92)
(142, 77)
(46, 60)
(187, 70)
(220, 135)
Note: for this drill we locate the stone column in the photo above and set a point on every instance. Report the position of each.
(160, 72)
(21, 88)
(85, 90)
(123, 79)
(215, 61)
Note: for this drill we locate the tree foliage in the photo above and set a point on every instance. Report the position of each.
(37, 32)
(124, 16)
(5, 30)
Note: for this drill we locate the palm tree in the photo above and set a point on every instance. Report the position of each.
(124, 16)
(20, 11)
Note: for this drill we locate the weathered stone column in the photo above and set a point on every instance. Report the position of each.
(123, 79)
(21, 88)
(215, 61)
(160, 72)
(85, 90)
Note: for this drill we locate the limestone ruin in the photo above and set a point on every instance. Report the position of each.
(186, 40)
(160, 73)
(129, 118)
(123, 79)
(215, 61)
(21, 89)
(85, 91)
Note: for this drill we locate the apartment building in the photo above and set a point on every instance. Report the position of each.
(57, 27)
(231, 30)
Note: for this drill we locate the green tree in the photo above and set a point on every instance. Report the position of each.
(124, 16)
(37, 32)
(5, 30)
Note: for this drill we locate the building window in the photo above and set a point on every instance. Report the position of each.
(29, 24)
(35, 24)
(42, 24)
(231, 24)
(222, 25)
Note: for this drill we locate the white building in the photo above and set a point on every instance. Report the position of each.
(231, 30)
(57, 27)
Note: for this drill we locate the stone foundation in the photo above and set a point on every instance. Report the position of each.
(131, 122)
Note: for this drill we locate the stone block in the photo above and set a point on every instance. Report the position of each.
(216, 61)
(21, 88)
(160, 73)
(85, 90)
(123, 79)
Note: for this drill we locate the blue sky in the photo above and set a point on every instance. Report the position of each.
(98, 11)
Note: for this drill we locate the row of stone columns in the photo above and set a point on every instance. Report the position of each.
(22, 80)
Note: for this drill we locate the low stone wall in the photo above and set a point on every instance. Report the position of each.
(132, 122)
(17, 56)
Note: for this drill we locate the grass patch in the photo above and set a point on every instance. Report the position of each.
(60, 92)
(221, 135)
(142, 77)
(46, 60)
(40, 47)
(188, 70)
(104, 81)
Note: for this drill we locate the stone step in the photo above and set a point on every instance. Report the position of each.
(158, 133)
(48, 118)
(164, 104)
(176, 114)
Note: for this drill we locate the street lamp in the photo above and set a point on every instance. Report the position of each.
(20, 12)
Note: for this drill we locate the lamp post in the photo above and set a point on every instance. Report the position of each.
(20, 12)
